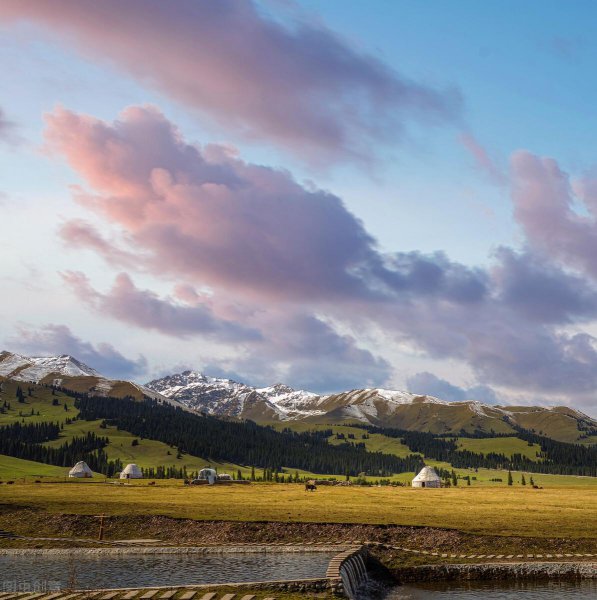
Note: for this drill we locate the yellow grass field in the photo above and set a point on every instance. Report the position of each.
(562, 512)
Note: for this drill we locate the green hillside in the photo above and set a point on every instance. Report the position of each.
(145, 453)
(13, 468)
(377, 442)
(40, 404)
(500, 445)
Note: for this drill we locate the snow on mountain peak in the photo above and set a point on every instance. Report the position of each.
(35, 368)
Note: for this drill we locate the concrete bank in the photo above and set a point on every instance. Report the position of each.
(236, 549)
(496, 571)
(346, 571)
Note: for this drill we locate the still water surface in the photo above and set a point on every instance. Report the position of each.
(145, 570)
(498, 590)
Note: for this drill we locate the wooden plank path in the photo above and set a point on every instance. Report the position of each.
(182, 593)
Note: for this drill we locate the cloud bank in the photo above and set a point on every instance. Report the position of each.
(431, 385)
(203, 217)
(294, 84)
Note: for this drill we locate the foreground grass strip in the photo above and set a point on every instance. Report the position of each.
(561, 512)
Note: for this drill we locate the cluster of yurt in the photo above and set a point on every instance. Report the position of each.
(131, 471)
(81, 470)
(427, 478)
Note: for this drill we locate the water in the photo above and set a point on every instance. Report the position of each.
(145, 570)
(498, 590)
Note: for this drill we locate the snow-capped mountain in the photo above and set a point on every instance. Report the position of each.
(67, 371)
(224, 397)
(36, 368)
(374, 406)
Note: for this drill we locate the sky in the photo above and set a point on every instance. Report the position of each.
(334, 195)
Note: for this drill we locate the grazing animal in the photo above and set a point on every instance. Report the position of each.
(151, 483)
(310, 486)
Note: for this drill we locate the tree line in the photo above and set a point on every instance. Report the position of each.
(557, 458)
(240, 442)
(26, 441)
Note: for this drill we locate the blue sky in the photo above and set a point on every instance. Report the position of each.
(423, 111)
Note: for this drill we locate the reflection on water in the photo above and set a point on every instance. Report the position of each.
(144, 570)
(498, 590)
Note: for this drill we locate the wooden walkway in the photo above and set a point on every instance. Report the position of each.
(140, 594)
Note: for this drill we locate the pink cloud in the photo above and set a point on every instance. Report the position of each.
(482, 159)
(272, 256)
(544, 206)
(147, 310)
(227, 223)
(294, 84)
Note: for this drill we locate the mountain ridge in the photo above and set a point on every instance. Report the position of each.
(371, 406)
(381, 407)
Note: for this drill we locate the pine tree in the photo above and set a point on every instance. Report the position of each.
(454, 479)
(523, 480)
(239, 475)
(20, 396)
(510, 480)
(531, 481)
(252, 473)
(468, 480)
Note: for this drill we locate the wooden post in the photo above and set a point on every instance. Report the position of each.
(101, 528)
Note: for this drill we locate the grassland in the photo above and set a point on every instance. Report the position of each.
(41, 401)
(146, 453)
(563, 512)
(500, 445)
(13, 468)
(149, 453)
(377, 442)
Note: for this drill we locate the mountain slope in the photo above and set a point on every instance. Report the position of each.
(68, 372)
(381, 407)
(280, 403)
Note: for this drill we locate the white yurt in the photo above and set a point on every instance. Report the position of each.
(208, 474)
(427, 478)
(81, 469)
(131, 471)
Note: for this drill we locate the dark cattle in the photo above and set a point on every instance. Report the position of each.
(310, 486)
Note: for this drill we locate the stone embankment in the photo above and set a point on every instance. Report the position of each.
(497, 571)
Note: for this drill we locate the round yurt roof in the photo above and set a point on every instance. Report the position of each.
(81, 469)
(207, 471)
(132, 470)
(427, 474)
